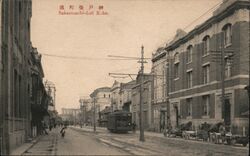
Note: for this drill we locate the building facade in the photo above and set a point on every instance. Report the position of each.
(126, 95)
(147, 98)
(15, 74)
(102, 99)
(159, 99)
(39, 97)
(116, 102)
(196, 72)
(71, 116)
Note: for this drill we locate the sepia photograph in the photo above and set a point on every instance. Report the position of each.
(124, 77)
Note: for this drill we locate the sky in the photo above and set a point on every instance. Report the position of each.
(89, 39)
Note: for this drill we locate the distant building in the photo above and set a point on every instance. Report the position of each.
(71, 115)
(195, 70)
(159, 100)
(147, 98)
(116, 102)
(102, 99)
(125, 94)
(85, 107)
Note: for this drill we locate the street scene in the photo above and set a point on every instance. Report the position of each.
(128, 77)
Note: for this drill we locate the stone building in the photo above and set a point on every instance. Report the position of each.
(159, 99)
(15, 43)
(71, 115)
(147, 98)
(39, 97)
(116, 102)
(102, 99)
(126, 95)
(195, 70)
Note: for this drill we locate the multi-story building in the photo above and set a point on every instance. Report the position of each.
(159, 99)
(147, 98)
(15, 42)
(71, 115)
(195, 70)
(126, 95)
(116, 102)
(85, 107)
(39, 98)
(102, 98)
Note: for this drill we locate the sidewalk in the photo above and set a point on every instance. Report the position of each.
(26, 146)
(22, 148)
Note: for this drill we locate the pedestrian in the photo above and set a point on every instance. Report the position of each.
(63, 131)
(134, 127)
(44, 128)
(222, 131)
(50, 127)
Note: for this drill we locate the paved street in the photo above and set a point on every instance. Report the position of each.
(82, 141)
(74, 143)
(156, 144)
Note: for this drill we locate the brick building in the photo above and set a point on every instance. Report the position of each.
(195, 70)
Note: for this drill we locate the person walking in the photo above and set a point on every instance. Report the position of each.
(63, 131)
(134, 127)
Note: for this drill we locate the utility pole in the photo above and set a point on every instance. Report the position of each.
(223, 75)
(142, 61)
(223, 53)
(94, 116)
(141, 96)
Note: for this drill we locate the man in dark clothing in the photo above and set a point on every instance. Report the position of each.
(134, 127)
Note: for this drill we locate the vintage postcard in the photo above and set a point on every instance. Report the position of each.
(124, 77)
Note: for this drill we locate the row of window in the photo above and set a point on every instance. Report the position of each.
(227, 38)
(206, 73)
(104, 95)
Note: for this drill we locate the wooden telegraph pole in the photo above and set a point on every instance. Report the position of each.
(141, 95)
(223, 53)
(141, 73)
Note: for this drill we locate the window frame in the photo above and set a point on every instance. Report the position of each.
(206, 48)
(189, 79)
(189, 54)
(206, 104)
(227, 34)
(206, 73)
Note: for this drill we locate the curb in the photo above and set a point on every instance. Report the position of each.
(25, 146)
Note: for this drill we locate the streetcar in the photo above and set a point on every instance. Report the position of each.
(119, 121)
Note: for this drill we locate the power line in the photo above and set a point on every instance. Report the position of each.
(208, 11)
(85, 58)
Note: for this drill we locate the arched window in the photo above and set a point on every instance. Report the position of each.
(189, 53)
(104, 95)
(227, 31)
(176, 58)
(206, 41)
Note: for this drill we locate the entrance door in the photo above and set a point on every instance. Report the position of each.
(162, 121)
